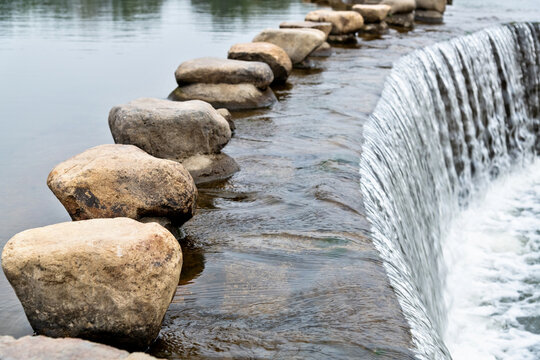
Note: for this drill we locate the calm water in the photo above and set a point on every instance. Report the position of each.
(276, 261)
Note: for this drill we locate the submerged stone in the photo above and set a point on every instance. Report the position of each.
(229, 96)
(111, 181)
(265, 52)
(297, 43)
(224, 71)
(170, 129)
(105, 280)
(343, 22)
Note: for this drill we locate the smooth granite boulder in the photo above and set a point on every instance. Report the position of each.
(104, 280)
(325, 27)
(265, 52)
(111, 181)
(170, 129)
(343, 22)
(207, 168)
(372, 13)
(224, 71)
(297, 43)
(46, 348)
(428, 16)
(228, 96)
(437, 5)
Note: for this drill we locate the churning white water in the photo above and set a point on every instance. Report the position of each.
(452, 118)
(493, 284)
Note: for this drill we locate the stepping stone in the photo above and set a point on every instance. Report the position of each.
(265, 52)
(325, 27)
(343, 22)
(297, 43)
(372, 13)
(110, 181)
(105, 280)
(404, 20)
(428, 16)
(437, 5)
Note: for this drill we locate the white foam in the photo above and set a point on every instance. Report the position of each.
(493, 257)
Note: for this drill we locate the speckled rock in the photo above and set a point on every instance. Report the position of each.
(268, 53)
(45, 348)
(372, 13)
(110, 181)
(170, 129)
(224, 71)
(343, 22)
(105, 280)
(297, 43)
(325, 27)
(228, 96)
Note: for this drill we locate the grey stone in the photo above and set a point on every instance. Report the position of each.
(325, 27)
(372, 13)
(401, 20)
(428, 16)
(207, 168)
(343, 22)
(324, 50)
(297, 43)
(227, 116)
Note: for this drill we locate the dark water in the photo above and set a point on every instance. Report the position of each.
(277, 262)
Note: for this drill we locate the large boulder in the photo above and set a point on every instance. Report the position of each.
(45, 348)
(268, 53)
(297, 43)
(110, 181)
(325, 27)
(229, 96)
(224, 71)
(372, 13)
(437, 5)
(104, 280)
(343, 22)
(170, 129)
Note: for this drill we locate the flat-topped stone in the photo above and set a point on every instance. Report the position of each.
(170, 129)
(404, 20)
(396, 6)
(105, 280)
(265, 52)
(343, 22)
(297, 43)
(46, 348)
(428, 16)
(437, 5)
(228, 96)
(224, 71)
(111, 181)
(372, 13)
(325, 27)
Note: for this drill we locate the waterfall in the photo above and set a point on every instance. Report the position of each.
(451, 117)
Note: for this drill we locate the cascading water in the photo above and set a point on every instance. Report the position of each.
(451, 118)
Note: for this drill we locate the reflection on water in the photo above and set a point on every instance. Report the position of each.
(276, 264)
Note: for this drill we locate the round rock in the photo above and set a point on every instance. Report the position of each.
(297, 43)
(231, 97)
(437, 5)
(428, 16)
(170, 129)
(111, 181)
(46, 348)
(224, 71)
(325, 27)
(104, 280)
(268, 53)
(343, 22)
(372, 13)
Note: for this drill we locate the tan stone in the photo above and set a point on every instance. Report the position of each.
(224, 71)
(169, 129)
(297, 43)
(343, 22)
(372, 13)
(325, 27)
(227, 116)
(428, 16)
(322, 51)
(45, 348)
(105, 280)
(437, 5)
(229, 96)
(268, 53)
(110, 181)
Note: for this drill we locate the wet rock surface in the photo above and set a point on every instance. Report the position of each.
(229, 96)
(437, 5)
(110, 181)
(105, 280)
(268, 53)
(297, 43)
(169, 129)
(325, 27)
(403, 20)
(45, 348)
(207, 168)
(428, 16)
(224, 71)
(372, 13)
